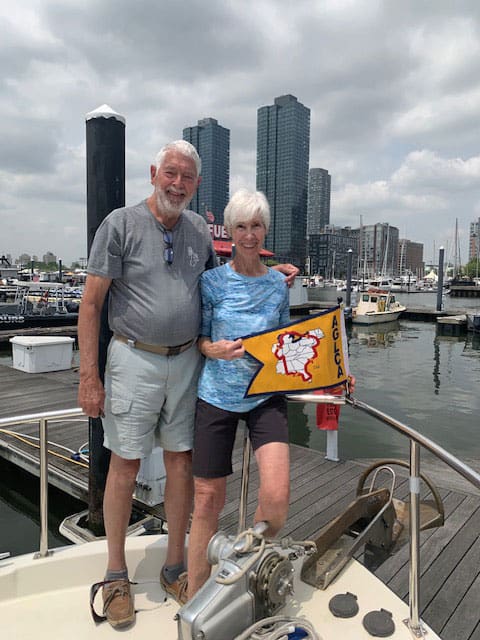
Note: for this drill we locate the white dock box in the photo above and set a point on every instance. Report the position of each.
(38, 354)
(151, 478)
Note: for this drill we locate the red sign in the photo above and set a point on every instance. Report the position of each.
(218, 232)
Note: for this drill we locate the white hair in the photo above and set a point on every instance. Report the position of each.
(243, 206)
(183, 147)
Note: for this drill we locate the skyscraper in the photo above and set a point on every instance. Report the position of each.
(474, 240)
(283, 146)
(212, 141)
(318, 206)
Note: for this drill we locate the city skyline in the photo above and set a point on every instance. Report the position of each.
(393, 89)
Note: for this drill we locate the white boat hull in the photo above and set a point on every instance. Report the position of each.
(376, 317)
(376, 306)
(49, 598)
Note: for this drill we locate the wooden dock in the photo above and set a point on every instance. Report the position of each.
(68, 330)
(320, 490)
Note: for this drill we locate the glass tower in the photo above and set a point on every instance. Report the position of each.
(212, 141)
(318, 207)
(283, 146)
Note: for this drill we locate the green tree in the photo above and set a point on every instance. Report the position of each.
(472, 268)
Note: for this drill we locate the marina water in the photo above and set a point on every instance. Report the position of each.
(404, 368)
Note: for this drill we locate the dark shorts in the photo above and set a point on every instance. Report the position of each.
(215, 430)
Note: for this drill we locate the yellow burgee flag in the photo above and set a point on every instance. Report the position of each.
(301, 356)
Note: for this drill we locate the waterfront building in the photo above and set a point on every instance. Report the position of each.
(474, 240)
(49, 258)
(25, 258)
(7, 270)
(283, 146)
(379, 249)
(318, 204)
(410, 258)
(212, 141)
(327, 251)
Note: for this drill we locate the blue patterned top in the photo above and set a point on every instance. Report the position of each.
(234, 305)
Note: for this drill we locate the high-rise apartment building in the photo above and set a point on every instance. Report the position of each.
(474, 240)
(410, 258)
(212, 141)
(318, 205)
(283, 146)
(328, 251)
(379, 249)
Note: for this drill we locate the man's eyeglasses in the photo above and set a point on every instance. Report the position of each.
(168, 251)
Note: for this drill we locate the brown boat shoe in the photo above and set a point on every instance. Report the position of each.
(176, 589)
(118, 603)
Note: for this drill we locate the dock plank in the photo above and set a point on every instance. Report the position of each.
(397, 563)
(453, 594)
(449, 542)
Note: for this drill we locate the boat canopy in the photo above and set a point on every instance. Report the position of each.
(431, 276)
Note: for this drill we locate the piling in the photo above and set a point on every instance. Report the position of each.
(441, 253)
(348, 297)
(105, 140)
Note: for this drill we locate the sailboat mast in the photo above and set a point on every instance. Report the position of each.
(360, 249)
(455, 262)
(385, 254)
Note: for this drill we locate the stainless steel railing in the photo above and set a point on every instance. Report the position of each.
(42, 419)
(417, 440)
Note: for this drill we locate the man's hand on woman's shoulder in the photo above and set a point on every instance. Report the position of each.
(290, 271)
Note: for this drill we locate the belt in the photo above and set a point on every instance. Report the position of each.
(156, 348)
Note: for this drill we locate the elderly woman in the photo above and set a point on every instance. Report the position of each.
(241, 297)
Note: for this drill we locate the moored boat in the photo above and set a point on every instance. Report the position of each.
(376, 306)
(48, 597)
(39, 304)
(315, 590)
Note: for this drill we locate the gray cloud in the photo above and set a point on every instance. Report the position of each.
(393, 88)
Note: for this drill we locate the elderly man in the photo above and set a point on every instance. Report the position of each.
(150, 257)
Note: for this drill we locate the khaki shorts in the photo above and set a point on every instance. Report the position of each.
(150, 400)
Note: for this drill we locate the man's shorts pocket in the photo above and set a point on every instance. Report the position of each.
(119, 406)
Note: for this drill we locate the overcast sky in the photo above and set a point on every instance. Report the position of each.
(393, 88)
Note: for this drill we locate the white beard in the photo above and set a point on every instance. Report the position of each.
(167, 207)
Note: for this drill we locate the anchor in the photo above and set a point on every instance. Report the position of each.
(375, 520)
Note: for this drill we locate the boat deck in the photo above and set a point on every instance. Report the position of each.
(320, 490)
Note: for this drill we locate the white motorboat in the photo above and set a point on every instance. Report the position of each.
(49, 598)
(381, 282)
(269, 589)
(403, 284)
(376, 306)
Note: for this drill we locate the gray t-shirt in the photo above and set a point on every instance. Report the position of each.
(150, 300)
